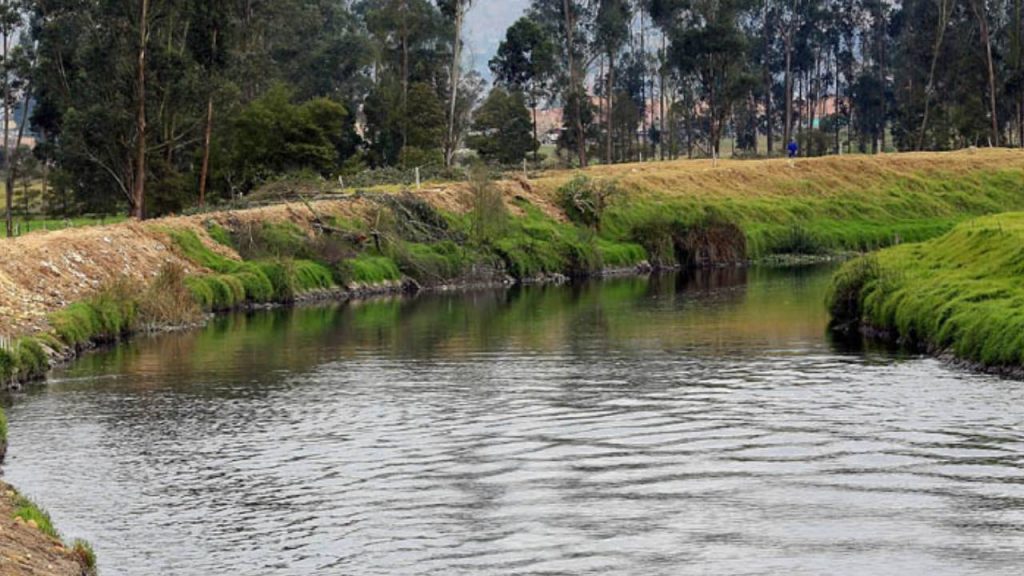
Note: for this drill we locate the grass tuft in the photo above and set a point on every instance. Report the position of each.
(30, 512)
(86, 555)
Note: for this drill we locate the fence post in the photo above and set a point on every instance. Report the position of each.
(417, 177)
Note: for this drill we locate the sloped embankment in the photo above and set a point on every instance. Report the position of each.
(73, 288)
(25, 550)
(958, 295)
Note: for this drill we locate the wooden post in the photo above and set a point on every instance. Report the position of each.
(417, 177)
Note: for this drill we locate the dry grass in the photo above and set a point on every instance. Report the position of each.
(838, 200)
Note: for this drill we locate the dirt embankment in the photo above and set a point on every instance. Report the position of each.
(43, 272)
(25, 551)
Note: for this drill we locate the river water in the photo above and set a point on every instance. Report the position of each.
(699, 424)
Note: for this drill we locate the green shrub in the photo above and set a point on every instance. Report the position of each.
(3, 428)
(585, 201)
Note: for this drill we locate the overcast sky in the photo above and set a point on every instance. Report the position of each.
(485, 28)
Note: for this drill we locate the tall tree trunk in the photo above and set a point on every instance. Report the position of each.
(12, 164)
(609, 155)
(574, 79)
(643, 87)
(945, 11)
(787, 130)
(9, 192)
(451, 144)
(661, 98)
(767, 79)
(981, 13)
(536, 139)
(139, 183)
(405, 78)
(207, 135)
(1018, 23)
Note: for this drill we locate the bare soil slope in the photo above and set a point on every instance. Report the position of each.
(25, 551)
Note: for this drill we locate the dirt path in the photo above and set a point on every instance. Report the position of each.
(25, 551)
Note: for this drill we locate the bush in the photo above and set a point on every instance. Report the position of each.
(488, 214)
(169, 301)
(585, 201)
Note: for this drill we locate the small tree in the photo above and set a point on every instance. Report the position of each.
(502, 128)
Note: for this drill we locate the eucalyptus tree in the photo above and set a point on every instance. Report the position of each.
(569, 21)
(13, 20)
(706, 39)
(611, 34)
(525, 62)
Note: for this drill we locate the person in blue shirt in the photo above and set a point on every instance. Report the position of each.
(793, 148)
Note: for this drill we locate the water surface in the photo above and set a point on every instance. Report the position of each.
(676, 425)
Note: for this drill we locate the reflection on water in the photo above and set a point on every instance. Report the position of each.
(674, 425)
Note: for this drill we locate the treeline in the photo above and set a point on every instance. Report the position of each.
(644, 78)
(157, 106)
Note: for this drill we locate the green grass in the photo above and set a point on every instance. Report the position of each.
(369, 269)
(105, 317)
(86, 555)
(816, 206)
(271, 279)
(3, 428)
(29, 511)
(961, 292)
(192, 248)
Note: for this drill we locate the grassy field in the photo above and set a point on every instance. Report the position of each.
(850, 203)
(959, 293)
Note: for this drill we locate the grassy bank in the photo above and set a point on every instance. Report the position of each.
(960, 293)
(561, 225)
(814, 206)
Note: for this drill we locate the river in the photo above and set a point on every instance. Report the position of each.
(693, 424)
